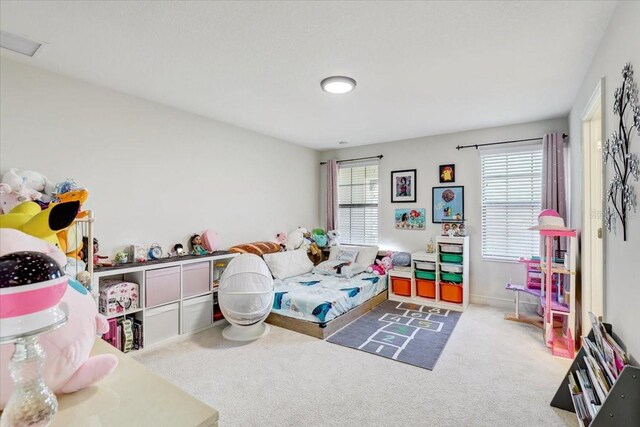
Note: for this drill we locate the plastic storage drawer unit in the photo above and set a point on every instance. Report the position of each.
(453, 249)
(425, 265)
(426, 288)
(161, 323)
(451, 277)
(451, 268)
(452, 258)
(401, 286)
(197, 313)
(162, 286)
(450, 292)
(426, 275)
(195, 279)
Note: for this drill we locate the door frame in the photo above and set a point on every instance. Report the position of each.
(592, 296)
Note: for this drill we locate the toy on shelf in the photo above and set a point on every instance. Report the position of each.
(553, 281)
(210, 240)
(196, 245)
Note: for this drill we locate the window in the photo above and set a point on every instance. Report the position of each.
(511, 200)
(358, 203)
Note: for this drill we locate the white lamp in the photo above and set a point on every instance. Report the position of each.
(246, 297)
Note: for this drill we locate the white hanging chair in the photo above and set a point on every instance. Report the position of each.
(246, 297)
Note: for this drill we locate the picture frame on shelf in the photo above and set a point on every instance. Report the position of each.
(447, 173)
(447, 204)
(403, 186)
(410, 219)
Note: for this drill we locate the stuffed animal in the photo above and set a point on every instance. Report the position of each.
(334, 238)
(210, 240)
(29, 180)
(296, 240)
(67, 366)
(10, 198)
(281, 239)
(29, 218)
(381, 266)
(320, 237)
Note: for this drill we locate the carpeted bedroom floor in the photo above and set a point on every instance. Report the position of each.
(491, 373)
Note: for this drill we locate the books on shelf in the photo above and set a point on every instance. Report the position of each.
(602, 364)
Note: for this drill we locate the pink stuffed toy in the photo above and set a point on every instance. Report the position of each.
(381, 266)
(210, 240)
(67, 366)
(10, 198)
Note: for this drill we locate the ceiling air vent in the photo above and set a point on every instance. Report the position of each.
(18, 44)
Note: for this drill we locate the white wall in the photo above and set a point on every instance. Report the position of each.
(155, 174)
(488, 278)
(620, 44)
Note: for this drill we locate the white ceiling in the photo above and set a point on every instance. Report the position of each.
(422, 68)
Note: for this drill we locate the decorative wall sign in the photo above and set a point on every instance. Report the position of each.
(447, 173)
(403, 186)
(410, 219)
(621, 197)
(448, 204)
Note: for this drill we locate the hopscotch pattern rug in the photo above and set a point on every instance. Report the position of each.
(409, 333)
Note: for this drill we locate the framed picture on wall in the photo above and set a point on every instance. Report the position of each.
(403, 186)
(410, 219)
(448, 204)
(447, 173)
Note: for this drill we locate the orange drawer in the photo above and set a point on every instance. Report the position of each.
(451, 292)
(401, 286)
(426, 288)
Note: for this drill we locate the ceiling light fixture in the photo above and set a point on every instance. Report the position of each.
(338, 84)
(18, 44)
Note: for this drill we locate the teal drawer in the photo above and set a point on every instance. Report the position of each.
(452, 258)
(451, 277)
(428, 275)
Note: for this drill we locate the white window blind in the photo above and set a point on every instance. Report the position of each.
(358, 203)
(511, 199)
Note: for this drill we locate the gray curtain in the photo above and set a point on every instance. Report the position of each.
(332, 195)
(553, 178)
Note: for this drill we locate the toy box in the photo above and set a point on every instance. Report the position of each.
(117, 296)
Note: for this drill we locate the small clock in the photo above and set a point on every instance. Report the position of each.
(155, 251)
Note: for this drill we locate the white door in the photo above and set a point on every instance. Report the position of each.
(593, 209)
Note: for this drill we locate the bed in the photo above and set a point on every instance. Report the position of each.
(317, 304)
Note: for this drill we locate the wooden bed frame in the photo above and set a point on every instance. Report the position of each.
(323, 330)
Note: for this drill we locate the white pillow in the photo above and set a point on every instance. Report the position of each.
(348, 255)
(289, 263)
(366, 254)
(348, 271)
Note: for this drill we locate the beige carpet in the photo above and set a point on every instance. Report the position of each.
(491, 373)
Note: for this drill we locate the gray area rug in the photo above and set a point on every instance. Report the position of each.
(409, 333)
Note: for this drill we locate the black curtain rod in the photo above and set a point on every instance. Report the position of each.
(460, 147)
(353, 160)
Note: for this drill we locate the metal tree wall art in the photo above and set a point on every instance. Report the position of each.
(621, 197)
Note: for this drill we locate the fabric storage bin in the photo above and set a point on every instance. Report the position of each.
(161, 323)
(195, 279)
(452, 249)
(451, 268)
(426, 288)
(197, 313)
(451, 292)
(425, 265)
(452, 258)
(451, 277)
(401, 286)
(427, 275)
(161, 286)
